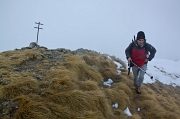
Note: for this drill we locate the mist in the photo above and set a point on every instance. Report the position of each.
(102, 25)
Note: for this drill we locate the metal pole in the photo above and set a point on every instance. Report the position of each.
(143, 70)
(37, 34)
(38, 30)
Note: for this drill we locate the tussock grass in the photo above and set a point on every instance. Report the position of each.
(88, 85)
(91, 60)
(32, 108)
(105, 66)
(70, 86)
(63, 84)
(120, 61)
(81, 101)
(60, 73)
(11, 58)
(17, 88)
(81, 70)
(114, 97)
(122, 86)
(12, 91)
(109, 73)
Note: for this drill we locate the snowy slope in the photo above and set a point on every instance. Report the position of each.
(165, 71)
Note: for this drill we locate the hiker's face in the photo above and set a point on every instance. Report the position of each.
(140, 42)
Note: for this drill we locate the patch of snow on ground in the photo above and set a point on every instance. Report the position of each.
(127, 112)
(165, 71)
(108, 82)
(115, 105)
(118, 67)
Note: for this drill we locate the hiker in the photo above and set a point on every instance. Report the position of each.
(138, 53)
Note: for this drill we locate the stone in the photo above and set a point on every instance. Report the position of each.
(33, 45)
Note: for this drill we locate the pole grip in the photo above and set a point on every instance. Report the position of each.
(128, 71)
(129, 68)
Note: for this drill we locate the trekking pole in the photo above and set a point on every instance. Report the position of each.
(143, 70)
(129, 68)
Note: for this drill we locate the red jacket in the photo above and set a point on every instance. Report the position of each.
(139, 54)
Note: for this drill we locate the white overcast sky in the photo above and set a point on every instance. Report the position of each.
(106, 26)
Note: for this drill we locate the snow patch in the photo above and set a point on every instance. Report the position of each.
(108, 82)
(115, 105)
(118, 67)
(109, 57)
(165, 71)
(127, 112)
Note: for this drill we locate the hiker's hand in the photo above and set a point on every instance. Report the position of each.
(129, 59)
(146, 60)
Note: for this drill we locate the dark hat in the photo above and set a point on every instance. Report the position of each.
(140, 35)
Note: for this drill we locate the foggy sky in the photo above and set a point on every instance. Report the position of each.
(106, 26)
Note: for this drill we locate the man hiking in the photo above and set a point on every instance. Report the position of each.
(137, 54)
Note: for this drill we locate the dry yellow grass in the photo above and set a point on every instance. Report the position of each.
(49, 84)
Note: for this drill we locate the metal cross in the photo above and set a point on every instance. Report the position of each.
(38, 30)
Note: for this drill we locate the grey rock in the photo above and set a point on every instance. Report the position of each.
(17, 69)
(33, 45)
(23, 48)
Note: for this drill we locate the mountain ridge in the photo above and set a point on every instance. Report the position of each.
(60, 83)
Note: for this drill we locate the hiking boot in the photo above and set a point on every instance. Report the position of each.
(138, 91)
